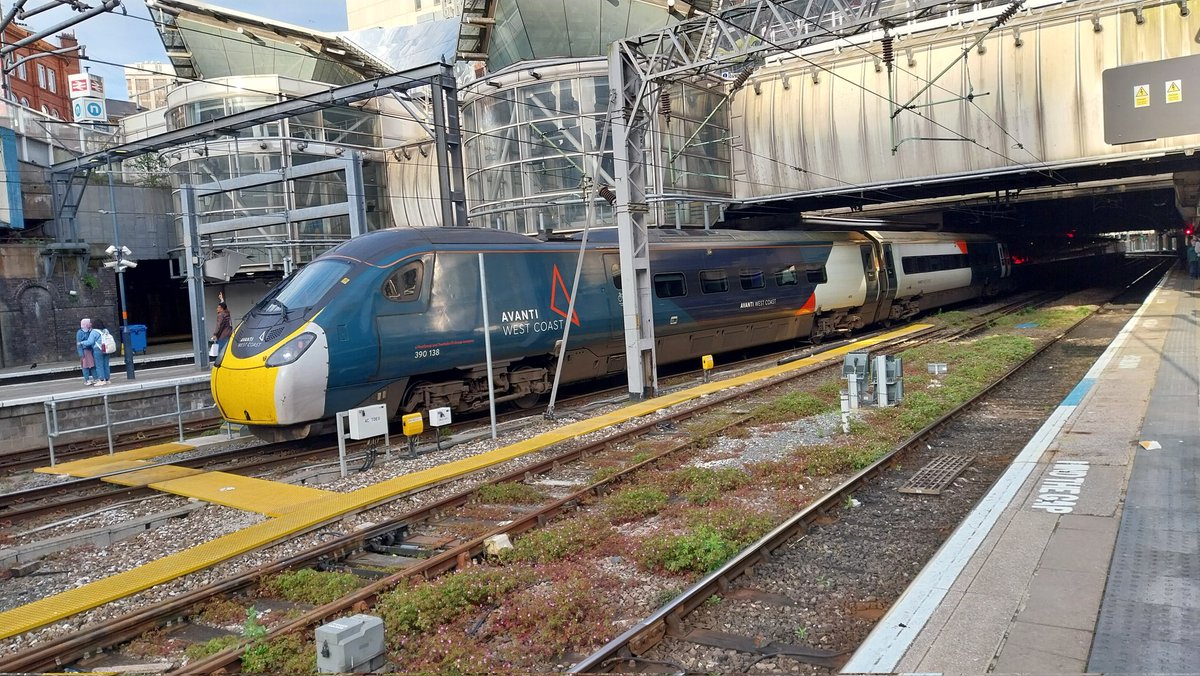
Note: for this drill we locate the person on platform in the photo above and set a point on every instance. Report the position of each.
(103, 367)
(87, 356)
(224, 327)
(1193, 259)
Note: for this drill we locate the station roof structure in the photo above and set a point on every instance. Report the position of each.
(504, 32)
(206, 41)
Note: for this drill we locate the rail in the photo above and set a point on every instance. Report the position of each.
(54, 430)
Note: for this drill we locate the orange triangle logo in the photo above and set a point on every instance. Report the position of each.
(555, 287)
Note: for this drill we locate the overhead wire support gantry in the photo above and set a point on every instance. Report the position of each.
(641, 67)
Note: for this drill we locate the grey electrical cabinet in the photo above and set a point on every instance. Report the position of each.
(351, 644)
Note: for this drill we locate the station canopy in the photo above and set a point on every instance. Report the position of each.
(206, 41)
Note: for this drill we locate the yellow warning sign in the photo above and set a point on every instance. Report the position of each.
(1141, 96)
(1174, 91)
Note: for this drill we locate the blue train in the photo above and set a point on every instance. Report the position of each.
(395, 316)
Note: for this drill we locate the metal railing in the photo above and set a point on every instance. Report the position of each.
(53, 430)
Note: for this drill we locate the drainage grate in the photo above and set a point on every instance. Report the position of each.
(932, 478)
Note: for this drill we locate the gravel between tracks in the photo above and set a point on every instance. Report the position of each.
(842, 576)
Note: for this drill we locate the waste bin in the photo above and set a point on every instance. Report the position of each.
(137, 338)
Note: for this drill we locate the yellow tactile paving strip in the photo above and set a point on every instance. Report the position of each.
(151, 475)
(100, 464)
(272, 498)
(311, 514)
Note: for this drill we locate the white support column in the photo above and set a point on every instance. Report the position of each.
(629, 136)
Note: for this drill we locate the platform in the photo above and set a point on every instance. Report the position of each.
(1084, 556)
(312, 514)
(29, 409)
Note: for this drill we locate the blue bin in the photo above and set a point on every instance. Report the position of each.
(137, 338)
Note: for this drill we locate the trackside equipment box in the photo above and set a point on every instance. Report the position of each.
(351, 644)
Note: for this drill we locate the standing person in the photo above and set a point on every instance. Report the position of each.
(87, 356)
(103, 368)
(224, 327)
(1193, 260)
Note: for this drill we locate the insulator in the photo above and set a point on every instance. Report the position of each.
(889, 53)
(741, 78)
(608, 194)
(1007, 14)
(664, 103)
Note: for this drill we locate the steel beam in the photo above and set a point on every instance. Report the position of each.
(402, 81)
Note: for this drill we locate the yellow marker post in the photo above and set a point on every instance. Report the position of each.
(706, 363)
(413, 425)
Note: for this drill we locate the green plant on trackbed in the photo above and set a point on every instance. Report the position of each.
(635, 502)
(794, 405)
(510, 493)
(699, 551)
(700, 485)
(801, 633)
(560, 540)
(309, 586)
(415, 607)
(199, 651)
(287, 654)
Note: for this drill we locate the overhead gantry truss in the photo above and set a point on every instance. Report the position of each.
(727, 44)
(70, 177)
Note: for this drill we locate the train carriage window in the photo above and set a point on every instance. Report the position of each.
(752, 279)
(786, 276)
(405, 284)
(670, 285)
(713, 281)
(817, 275)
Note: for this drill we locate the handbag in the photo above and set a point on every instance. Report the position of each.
(212, 351)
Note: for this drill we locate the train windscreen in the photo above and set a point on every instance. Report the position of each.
(307, 287)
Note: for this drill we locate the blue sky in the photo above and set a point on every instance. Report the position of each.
(128, 38)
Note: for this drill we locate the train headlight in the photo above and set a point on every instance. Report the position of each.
(291, 350)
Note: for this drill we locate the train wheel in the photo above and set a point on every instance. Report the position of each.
(528, 401)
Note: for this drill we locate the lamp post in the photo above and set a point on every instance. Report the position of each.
(118, 264)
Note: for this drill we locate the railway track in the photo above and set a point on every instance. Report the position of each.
(441, 553)
(450, 551)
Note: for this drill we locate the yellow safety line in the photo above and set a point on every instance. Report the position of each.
(80, 467)
(311, 514)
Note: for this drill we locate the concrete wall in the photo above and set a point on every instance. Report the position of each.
(23, 425)
(39, 315)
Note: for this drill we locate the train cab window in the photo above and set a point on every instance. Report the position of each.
(307, 287)
(786, 276)
(405, 284)
(616, 275)
(713, 281)
(817, 275)
(669, 285)
(752, 279)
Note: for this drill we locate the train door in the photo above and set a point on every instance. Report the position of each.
(615, 351)
(874, 284)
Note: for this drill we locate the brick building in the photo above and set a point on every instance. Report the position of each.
(41, 83)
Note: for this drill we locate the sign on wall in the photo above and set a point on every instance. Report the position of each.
(1152, 100)
(89, 110)
(84, 84)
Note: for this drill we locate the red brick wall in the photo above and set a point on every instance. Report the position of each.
(28, 88)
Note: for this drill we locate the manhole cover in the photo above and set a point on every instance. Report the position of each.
(934, 477)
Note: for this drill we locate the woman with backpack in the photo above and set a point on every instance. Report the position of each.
(103, 368)
(87, 358)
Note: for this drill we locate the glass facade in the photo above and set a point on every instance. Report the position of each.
(268, 147)
(528, 147)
